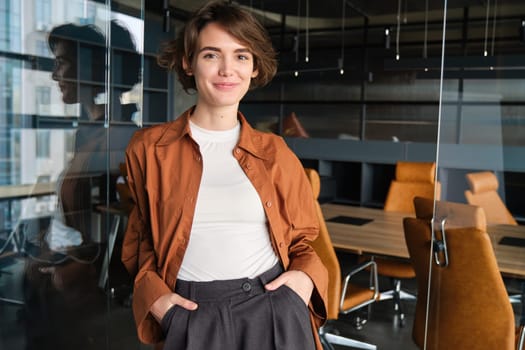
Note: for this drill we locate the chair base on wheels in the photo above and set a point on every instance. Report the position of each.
(327, 339)
(397, 295)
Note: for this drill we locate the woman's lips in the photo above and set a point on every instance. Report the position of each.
(225, 86)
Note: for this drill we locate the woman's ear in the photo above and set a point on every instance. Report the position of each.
(255, 73)
(186, 66)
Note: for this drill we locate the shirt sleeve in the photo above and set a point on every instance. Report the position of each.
(299, 202)
(138, 253)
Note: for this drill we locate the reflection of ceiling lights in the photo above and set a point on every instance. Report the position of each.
(166, 16)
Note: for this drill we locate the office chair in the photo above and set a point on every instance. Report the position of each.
(468, 307)
(292, 127)
(483, 192)
(12, 249)
(412, 179)
(350, 297)
(8, 254)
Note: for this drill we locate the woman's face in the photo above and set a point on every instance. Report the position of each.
(222, 67)
(65, 71)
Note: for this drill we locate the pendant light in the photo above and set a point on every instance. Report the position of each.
(398, 28)
(297, 37)
(342, 58)
(485, 52)
(494, 18)
(425, 40)
(307, 39)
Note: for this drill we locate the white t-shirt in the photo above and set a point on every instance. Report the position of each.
(229, 237)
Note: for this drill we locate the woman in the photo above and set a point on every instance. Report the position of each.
(224, 214)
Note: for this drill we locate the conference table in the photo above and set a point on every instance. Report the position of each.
(373, 231)
(12, 192)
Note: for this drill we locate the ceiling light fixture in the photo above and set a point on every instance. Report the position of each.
(398, 28)
(494, 19)
(342, 58)
(425, 49)
(307, 39)
(485, 52)
(493, 30)
(387, 38)
(297, 36)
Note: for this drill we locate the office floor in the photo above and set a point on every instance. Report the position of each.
(116, 328)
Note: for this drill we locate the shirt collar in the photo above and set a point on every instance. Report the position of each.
(250, 140)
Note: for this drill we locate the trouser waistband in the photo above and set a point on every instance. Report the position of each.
(227, 289)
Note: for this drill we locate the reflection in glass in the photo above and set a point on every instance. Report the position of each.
(65, 249)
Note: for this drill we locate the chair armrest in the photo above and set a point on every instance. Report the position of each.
(374, 283)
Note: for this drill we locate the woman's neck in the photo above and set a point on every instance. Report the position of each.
(215, 119)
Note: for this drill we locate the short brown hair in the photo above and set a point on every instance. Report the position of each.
(239, 23)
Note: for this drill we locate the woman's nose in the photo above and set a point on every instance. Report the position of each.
(54, 73)
(225, 68)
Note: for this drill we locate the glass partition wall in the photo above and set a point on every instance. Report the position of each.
(77, 81)
(477, 266)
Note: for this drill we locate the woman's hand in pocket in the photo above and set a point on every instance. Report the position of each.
(165, 302)
(296, 280)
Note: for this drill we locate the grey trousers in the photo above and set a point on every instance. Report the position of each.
(239, 315)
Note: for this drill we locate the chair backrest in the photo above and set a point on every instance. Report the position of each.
(483, 192)
(413, 179)
(292, 127)
(468, 306)
(325, 249)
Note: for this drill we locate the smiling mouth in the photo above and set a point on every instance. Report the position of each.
(225, 85)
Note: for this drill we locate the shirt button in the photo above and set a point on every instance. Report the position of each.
(269, 204)
(281, 244)
(248, 166)
(198, 158)
(246, 286)
(238, 151)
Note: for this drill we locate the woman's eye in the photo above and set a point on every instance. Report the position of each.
(209, 55)
(244, 57)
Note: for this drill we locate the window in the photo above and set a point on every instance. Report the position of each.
(42, 99)
(42, 144)
(42, 14)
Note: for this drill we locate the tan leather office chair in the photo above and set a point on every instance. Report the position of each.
(292, 127)
(468, 307)
(483, 192)
(344, 299)
(412, 179)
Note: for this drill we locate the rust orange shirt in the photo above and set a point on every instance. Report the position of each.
(164, 172)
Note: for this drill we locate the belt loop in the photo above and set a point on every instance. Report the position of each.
(192, 291)
(271, 274)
